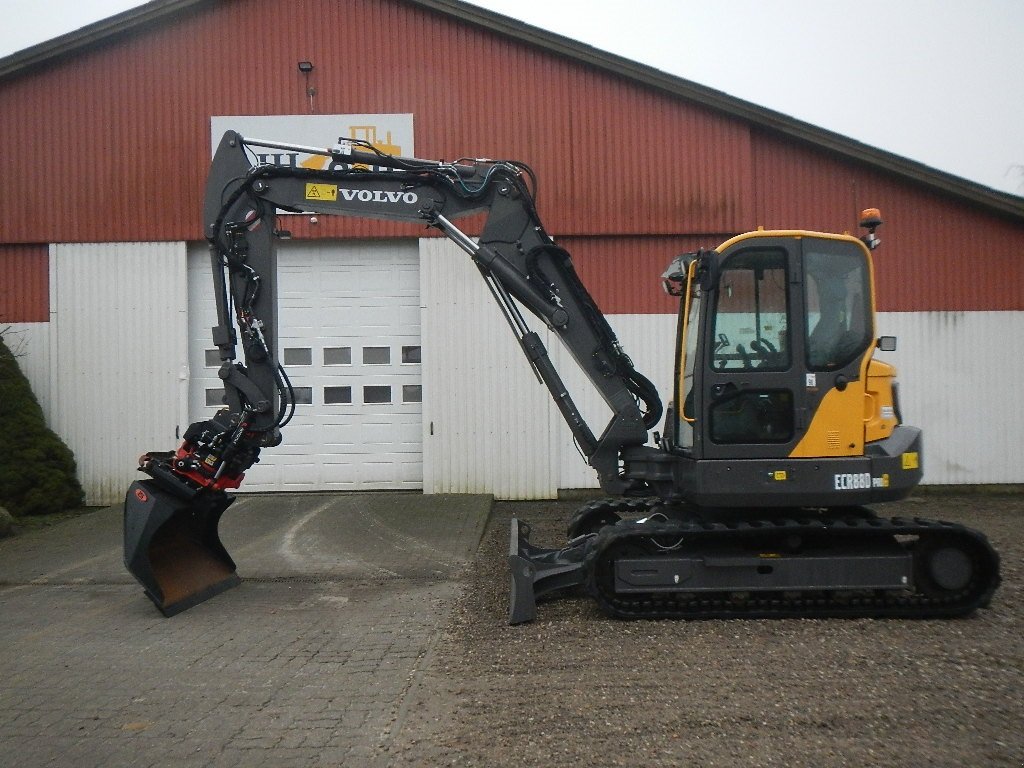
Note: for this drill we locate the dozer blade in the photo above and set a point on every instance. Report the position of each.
(172, 548)
(536, 571)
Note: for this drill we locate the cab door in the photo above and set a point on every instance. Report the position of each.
(838, 336)
(752, 382)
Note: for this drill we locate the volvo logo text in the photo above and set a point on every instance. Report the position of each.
(378, 196)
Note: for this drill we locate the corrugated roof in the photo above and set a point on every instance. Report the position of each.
(161, 11)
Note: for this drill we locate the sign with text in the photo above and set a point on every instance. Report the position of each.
(391, 134)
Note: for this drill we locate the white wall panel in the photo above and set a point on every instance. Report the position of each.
(960, 377)
(488, 423)
(117, 356)
(30, 344)
(110, 371)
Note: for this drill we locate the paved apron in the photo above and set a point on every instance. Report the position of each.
(307, 663)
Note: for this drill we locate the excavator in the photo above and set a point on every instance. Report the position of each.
(752, 501)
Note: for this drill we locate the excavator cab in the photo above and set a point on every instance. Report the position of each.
(783, 427)
(786, 322)
(775, 369)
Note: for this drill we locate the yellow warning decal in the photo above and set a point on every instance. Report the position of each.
(910, 460)
(327, 192)
(779, 474)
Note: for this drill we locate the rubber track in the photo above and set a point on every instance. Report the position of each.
(601, 555)
(617, 506)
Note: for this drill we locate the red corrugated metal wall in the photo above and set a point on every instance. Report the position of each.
(24, 283)
(113, 144)
(936, 253)
(624, 273)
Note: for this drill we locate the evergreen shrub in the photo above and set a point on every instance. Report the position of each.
(37, 471)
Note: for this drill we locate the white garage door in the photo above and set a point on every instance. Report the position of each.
(349, 327)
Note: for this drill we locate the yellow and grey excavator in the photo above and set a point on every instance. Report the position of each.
(752, 501)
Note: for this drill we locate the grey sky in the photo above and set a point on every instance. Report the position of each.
(938, 81)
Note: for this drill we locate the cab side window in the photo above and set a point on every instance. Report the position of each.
(838, 309)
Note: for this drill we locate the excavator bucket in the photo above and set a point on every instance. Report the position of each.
(172, 548)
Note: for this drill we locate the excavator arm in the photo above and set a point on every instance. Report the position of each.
(521, 264)
(523, 267)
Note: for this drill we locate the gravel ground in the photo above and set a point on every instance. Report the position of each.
(575, 687)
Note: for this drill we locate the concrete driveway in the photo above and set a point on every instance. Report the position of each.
(309, 662)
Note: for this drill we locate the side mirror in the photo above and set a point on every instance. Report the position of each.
(673, 279)
(886, 343)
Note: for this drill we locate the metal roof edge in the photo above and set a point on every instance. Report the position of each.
(91, 35)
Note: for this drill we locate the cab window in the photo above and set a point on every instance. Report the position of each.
(752, 305)
(838, 303)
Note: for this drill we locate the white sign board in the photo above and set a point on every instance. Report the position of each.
(391, 134)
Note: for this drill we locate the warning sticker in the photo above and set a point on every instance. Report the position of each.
(910, 460)
(328, 192)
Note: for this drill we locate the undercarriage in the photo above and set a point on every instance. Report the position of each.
(645, 559)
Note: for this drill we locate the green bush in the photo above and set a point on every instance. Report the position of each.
(37, 471)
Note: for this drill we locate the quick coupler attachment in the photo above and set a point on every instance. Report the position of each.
(537, 572)
(171, 545)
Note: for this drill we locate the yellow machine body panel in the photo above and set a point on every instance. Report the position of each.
(837, 428)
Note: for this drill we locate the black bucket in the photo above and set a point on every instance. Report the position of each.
(172, 548)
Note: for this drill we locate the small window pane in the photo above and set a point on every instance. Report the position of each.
(337, 395)
(215, 397)
(376, 356)
(298, 356)
(213, 358)
(752, 416)
(303, 395)
(376, 394)
(412, 393)
(411, 355)
(337, 355)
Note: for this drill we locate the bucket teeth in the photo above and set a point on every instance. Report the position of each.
(172, 548)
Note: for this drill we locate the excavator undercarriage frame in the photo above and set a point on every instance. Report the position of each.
(675, 563)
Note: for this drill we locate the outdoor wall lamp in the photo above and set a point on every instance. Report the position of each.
(305, 67)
